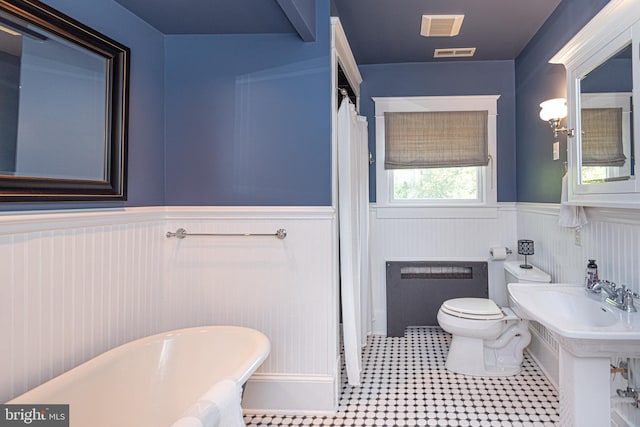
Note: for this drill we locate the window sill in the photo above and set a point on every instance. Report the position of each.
(448, 212)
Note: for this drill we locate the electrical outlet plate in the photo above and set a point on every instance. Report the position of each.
(556, 150)
(577, 237)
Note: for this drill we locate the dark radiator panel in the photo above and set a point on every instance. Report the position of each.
(417, 289)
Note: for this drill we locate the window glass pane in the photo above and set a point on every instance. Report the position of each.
(595, 174)
(438, 183)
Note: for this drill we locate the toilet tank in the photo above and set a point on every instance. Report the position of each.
(515, 274)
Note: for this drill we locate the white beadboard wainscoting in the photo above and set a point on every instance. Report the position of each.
(286, 288)
(77, 283)
(438, 234)
(612, 238)
(74, 284)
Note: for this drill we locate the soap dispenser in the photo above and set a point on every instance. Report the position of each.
(591, 275)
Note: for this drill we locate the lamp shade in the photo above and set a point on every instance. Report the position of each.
(525, 247)
(553, 109)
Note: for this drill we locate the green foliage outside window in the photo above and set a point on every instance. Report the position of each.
(438, 183)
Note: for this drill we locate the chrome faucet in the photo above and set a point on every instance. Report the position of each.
(621, 297)
(607, 286)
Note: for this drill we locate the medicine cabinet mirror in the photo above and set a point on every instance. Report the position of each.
(601, 91)
(606, 153)
(63, 99)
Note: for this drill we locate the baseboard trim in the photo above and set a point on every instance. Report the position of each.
(273, 394)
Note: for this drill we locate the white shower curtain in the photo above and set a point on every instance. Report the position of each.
(353, 216)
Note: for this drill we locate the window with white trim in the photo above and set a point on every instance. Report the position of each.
(434, 151)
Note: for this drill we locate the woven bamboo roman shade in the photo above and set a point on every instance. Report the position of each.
(435, 139)
(602, 137)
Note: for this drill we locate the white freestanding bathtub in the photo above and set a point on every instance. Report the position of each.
(152, 381)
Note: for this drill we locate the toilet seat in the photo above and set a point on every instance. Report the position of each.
(473, 308)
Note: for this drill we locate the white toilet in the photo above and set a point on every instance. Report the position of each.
(488, 340)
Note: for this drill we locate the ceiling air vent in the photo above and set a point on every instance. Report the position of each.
(454, 53)
(441, 25)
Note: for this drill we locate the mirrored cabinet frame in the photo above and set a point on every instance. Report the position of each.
(612, 30)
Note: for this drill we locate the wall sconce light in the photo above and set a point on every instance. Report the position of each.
(525, 247)
(552, 111)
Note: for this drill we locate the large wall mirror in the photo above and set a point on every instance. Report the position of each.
(63, 107)
(603, 83)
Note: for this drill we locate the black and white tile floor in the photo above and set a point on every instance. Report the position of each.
(405, 383)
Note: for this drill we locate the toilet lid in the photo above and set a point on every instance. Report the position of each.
(473, 308)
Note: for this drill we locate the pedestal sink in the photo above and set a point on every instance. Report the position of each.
(590, 332)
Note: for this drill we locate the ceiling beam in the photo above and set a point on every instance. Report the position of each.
(302, 15)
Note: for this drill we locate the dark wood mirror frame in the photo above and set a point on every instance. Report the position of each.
(117, 58)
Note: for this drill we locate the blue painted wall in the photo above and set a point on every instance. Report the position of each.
(448, 79)
(248, 118)
(146, 103)
(539, 177)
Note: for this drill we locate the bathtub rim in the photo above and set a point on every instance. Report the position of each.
(241, 375)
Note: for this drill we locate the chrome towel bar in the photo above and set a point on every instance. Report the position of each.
(181, 233)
